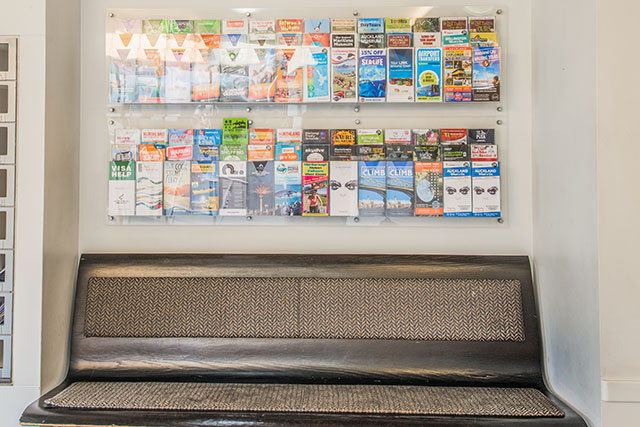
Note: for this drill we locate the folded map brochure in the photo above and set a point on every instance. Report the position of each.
(317, 75)
(260, 189)
(233, 188)
(486, 189)
(343, 188)
(204, 188)
(288, 188)
(149, 181)
(315, 186)
(344, 69)
(457, 188)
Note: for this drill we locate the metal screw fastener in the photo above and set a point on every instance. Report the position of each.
(110, 218)
(356, 109)
(499, 109)
(500, 220)
(499, 12)
(248, 14)
(355, 13)
(357, 121)
(111, 122)
(112, 110)
(250, 122)
(248, 109)
(111, 15)
(356, 219)
(499, 122)
(249, 218)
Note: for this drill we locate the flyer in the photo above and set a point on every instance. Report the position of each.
(343, 188)
(343, 136)
(315, 136)
(262, 33)
(288, 188)
(233, 188)
(233, 41)
(482, 31)
(149, 188)
(262, 136)
(256, 152)
(122, 76)
(150, 76)
(428, 24)
(289, 135)
(289, 32)
(316, 39)
(348, 25)
(427, 40)
(206, 153)
(457, 188)
(177, 188)
(316, 32)
(397, 136)
(343, 40)
(486, 74)
(179, 152)
(400, 75)
(204, 188)
(370, 136)
(315, 183)
(451, 152)
(458, 136)
(481, 136)
(127, 136)
(372, 182)
(454, 31)
(343, 153)
(372, 75)
(484, 152)
(344, 68)
(316, 77)
(205, 76)
(428, 188)
(429, 75)
(207, 26)
(457, 74)
(151, 152)
(233, 152)
(181, 136)
(124, 152)
(371, 40)
(315, 152)
(289, 40)
(177, 76)
(208, 136)
(399, 40)
(288, 152)
(235, 131)
(398, 25)
(400, 188)
(122, 189)
(486, 189)
(371, 25)
(372, 153)
(262, 76)
(425, 136)
(237, 26)
(427, 153)
(234, 78)
(260, 191)
(289, 78)
(154, 136)
(399, 152)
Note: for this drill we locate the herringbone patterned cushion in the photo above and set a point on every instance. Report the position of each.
(305, 307)
(367, 399)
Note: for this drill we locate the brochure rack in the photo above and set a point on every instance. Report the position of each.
(167, 69)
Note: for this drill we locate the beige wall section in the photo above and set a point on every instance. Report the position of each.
(62, 128)
(618, 205)
(564, 203)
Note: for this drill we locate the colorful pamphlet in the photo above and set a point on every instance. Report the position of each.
(343, 153)
(483, 152)
(348, 25)
(429, 75)
(127, 136)
(288, 188)
(206, 153)
(397, 25)
(457, 74)
(177, 188)
(486, 189)
(124, 152)
(397, 136)
(179, 152)
(481, 136)
(289, 152)
(486, 74)
(372, 188)
(235, 131)
(181, 136)
(233, 188)
(150, 76)
(428, 24)
(315, 183)
(315, 152)
(289, 135)
(343, 136)
(289, 75)
(256, 152)
(370, 136)
(205, 76)
(149, 188)
(154, 136)
(371, 40)
(400, 188)
(457, 188)
(454, 31)
(260, 191)
(288, 39)
(152, 152)
(315, 136)
(400, 75)
(289, 32)
(204, 188)
(343, 40)
(237, 26)
(122, 189)
(316, 77)
(316, 32)
(449, 136)
(262, 76)
(371, 25)
(262, 136)
(234, 78)
(427, 153)
(208, 136)
(425, 136)
(373, 153)
(482, 31)
(428, 188)
(372, 75)
(262, 33)
(343, 188)
(233, 152)
(344, 69)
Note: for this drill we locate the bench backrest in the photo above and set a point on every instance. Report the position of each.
(317, 318)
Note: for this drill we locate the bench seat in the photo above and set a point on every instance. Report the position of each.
(202, 340)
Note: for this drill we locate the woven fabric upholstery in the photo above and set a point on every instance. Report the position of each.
(309, 307)
(365, 399)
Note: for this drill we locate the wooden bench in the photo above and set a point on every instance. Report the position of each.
(204, 340)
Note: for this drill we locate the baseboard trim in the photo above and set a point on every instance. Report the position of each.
(620, 391)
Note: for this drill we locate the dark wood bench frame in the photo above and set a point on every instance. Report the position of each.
(403, 362)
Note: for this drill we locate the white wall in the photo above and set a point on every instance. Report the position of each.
(26, 19)
(61, 185)
(564, 203)
(618, 201)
